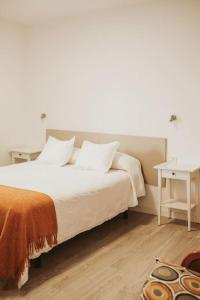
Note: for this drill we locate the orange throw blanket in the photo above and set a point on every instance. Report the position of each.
(27, 223)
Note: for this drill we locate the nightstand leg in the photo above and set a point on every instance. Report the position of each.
(189, 202)
(168, 187)
(159, 195)
(12, 159)
(197, 182)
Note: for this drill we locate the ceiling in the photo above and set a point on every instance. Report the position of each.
(30, 12)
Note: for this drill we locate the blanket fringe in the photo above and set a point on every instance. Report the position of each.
(36, 246)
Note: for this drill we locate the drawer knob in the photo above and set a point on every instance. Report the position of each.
(173, 173)
(20, 154)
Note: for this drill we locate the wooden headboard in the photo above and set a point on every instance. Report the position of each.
(150, 151)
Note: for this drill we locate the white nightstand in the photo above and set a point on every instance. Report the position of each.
(178, 171)
(24, 153)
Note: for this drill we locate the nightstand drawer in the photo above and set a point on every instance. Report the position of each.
(20, 155)
(24, 154)
(174, 174)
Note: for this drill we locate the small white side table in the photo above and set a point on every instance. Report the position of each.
(178, 171)
(24, 153)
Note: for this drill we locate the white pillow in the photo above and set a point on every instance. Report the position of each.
(56, 151)
(132, 165)
(97, 157)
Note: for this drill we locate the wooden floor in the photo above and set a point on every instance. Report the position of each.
(110, 262)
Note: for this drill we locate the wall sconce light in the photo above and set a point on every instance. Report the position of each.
(43, 116)
(172, 118)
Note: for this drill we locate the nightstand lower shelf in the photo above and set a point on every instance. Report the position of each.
(177, 204)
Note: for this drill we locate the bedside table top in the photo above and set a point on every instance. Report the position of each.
(27, 150)
(178, 166)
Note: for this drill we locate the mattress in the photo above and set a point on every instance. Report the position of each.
(83, 199)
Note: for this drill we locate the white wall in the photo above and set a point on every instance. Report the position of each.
(14, 106)
(123, 71)
(120, 71)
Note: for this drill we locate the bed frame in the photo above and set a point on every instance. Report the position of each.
(37, 262)
(150, 151)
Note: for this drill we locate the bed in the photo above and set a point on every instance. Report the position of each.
(83, 199)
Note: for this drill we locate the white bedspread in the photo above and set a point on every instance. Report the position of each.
(83, 199)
